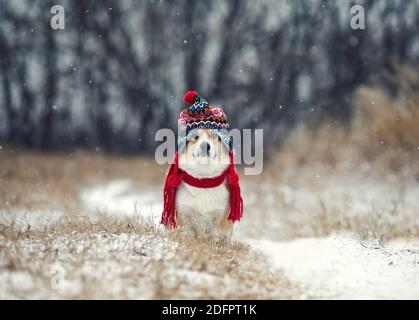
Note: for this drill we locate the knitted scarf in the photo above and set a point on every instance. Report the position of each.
(174, 178)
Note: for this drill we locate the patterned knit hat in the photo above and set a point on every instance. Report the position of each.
(200, 115)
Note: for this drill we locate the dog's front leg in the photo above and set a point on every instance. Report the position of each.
(191, 221)
(221, 228)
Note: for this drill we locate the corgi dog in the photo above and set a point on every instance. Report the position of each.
(202, 191)
(204, 211)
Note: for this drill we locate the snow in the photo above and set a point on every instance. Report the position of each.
(82, 265)
(338, 266)
(116, 198)
(342, 267)
(22, 219)
(354, 197)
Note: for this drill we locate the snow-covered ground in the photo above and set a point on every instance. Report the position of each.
(84, 265)
(338, 266)
(79, 257)
(342, 267)
(118, 198)
(22, 219)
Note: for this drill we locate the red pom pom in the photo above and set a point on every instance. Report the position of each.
(190, 96)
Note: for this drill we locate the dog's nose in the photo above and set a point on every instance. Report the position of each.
(205, 148)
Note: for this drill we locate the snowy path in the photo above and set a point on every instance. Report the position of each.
(342, 267)
(339, 266)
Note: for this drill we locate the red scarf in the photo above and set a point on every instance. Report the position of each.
(174, 178)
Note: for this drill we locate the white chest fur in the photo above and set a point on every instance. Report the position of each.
(199, 208)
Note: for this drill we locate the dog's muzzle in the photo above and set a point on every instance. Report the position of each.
(204, 150)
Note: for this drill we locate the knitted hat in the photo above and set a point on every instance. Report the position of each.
(200, 115)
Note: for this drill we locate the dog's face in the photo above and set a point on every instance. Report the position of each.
(204, 155)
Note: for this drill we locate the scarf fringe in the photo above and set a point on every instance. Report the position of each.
(173, 180)
(236, 201)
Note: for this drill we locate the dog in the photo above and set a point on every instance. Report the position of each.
(204, 211)
(202, 192)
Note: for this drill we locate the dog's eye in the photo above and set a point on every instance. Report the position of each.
(195, 137)
(214, 136)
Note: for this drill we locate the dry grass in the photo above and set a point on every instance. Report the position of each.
(386, 132)
(106, 257)
(383, 134)
(35, 180)
(361, 178)
(78, 259)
